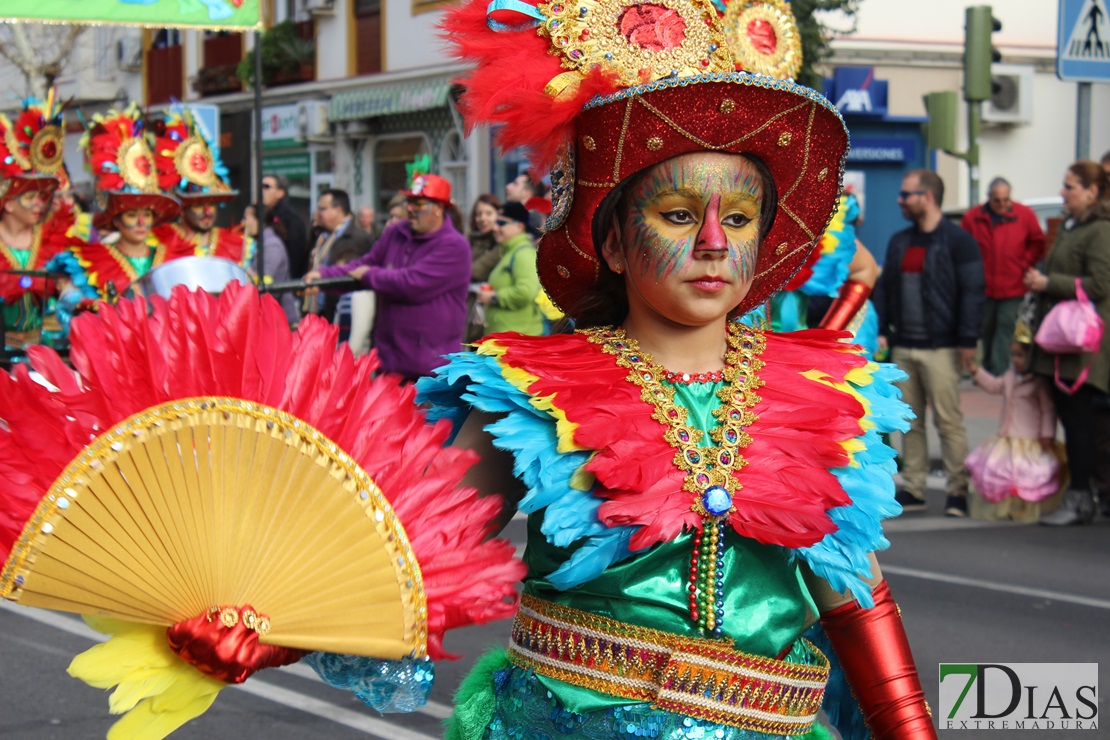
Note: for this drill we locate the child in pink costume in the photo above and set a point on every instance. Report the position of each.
(1021, 460)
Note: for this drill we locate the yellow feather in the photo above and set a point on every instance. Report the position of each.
(157, 691)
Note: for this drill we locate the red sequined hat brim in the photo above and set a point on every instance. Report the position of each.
(165, 208)
(13, 187)
(793, 130)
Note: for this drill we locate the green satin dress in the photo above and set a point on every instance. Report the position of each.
(766, 609)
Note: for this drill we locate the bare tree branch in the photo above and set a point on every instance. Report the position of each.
(39, 51)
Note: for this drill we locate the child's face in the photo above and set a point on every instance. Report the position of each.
(1018, 356)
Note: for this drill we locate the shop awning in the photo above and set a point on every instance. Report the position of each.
(389, 99)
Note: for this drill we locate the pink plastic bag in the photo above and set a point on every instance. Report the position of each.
(1071, 327)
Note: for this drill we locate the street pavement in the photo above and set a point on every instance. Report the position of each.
(970, 592)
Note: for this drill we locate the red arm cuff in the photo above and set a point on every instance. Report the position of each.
(875, 654)
(853, 295)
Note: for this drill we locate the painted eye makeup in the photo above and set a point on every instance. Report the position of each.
(678, 216)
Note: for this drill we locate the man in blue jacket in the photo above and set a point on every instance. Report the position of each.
(929, 301)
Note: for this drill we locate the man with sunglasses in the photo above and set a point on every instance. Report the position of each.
(275, 196)
(419, 270)
(929, 301)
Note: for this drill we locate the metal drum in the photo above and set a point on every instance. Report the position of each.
(210, 274)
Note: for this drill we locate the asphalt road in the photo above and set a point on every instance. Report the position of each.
(969, 592)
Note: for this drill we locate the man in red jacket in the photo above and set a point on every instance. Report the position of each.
(1011, 241)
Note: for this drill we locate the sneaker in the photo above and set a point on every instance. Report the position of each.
(955, 506)
(909, 501)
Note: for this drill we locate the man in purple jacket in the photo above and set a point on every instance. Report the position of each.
(419, 269)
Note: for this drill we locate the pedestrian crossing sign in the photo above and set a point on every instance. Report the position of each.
(1083, 41)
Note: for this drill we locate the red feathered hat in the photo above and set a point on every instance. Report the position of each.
(187, 162)
(121, 161)
(31, 150)
(606, 88)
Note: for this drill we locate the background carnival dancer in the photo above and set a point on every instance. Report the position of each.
(31, 152)
(669, 456)
(831, 290)
(313, 471)
(419, 270)
(188, 166)
(131, 205)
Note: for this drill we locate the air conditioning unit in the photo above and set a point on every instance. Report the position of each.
(312, 119)
(1012, 97)
(129, 54)
(320, 7)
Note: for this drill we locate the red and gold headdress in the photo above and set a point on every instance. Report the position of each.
(186, 162)
(121, 162)
(603, 89)
(32, 149)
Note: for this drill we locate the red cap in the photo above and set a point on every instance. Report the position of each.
(432, 187)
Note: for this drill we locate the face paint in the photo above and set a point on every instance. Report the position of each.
(689, 205)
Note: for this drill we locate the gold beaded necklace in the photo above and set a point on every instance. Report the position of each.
(708, 469)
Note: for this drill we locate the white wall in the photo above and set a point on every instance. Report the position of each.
(411, 41)
(331, 42)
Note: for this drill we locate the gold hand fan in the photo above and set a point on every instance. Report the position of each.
(208, 502)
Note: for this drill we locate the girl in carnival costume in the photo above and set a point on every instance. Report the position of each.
(130, 205)
(699, 492)
(1020, 466)
(31, 169)
(189, 167)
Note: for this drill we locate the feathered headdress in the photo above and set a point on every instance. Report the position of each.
(603, 89)
(122, 165)
(225, 495)
(32, 149)
(186, 160)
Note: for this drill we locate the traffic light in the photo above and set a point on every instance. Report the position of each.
(978, 52)
(940, 131)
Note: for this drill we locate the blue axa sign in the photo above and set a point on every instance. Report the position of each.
(1018, 696)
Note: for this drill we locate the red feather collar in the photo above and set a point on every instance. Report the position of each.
(786, 489)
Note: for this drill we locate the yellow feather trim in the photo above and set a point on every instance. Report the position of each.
(155, 689)
(522, 381)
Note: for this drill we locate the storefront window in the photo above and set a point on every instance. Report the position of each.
(390, 159)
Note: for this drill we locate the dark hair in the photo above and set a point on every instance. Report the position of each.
(266, 219)
(606, 301)
(996, 182)
(490, 200)
(1091, 174)
(931, 182)
(281, 181)
(339, 199)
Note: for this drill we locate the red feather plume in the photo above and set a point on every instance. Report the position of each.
(506, 87)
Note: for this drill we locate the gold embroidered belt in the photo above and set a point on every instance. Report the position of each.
(696, 677)
(20, 339)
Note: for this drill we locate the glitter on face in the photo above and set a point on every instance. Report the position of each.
(691, 204)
